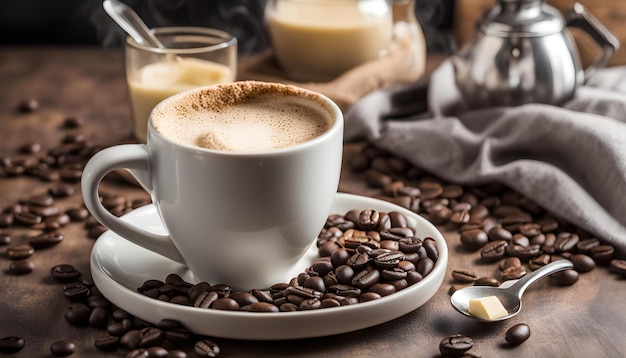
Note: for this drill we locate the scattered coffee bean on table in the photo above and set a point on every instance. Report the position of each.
(62, 348)
(11, 345)
(65, 273)
(517, 334)
(455, 346)
(21, 267)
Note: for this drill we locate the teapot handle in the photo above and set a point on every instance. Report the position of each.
(580, 18)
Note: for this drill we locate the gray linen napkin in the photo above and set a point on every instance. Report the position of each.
(571, 159)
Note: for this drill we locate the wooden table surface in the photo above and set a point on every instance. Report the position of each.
(587, 319)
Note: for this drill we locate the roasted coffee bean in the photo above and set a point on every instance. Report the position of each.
(585, 246)
(530, 230)
(539, 261)
(225, 303)
(493, 251)
(358, 261)
(28, 106)
(207, 348)
(73, 122)
(262, 296)
(20, 252)
(517, 334)
(176, 353)
(118, 329)
(120, 315)
(21, 267)
(340, 257)
(565, 277)
(344, 290)
(430, 245)
(618, 266)
(523, 252)
(424, 266)
(389, 259)
(397, 233)
(430, 190)
(439, 214)
(460, 217)
(131, 339)
(27, 218)
(455, 345)
(393, 274)
(65, 273)
(519, 239)
(246, 298)
(77, 314)
(548, 245)
(397, 220)
(474, 239)
(413, 277)
(205, 299)
(6, 219)
(365, 278)
(487, 281)
(9, 345)
(566, 241)
(107, 343)
(368, 219)
(382, 289)
(344, 274)
(510, 262)
(582, 263)
(410, 244)
(369, 296)
(513, 273)
(156, 352)
(151, 337)
(76, 292)
(62, 348)
(41, 200)
(315, 282)
(5, 239)
(602, 254)
(45, 240)
(98, 317)
(178, 336)
(62, 191)
(464, 276)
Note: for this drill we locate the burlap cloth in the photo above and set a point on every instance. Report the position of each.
(570, 159)
(401, 66)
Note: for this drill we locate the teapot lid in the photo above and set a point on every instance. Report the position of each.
(526, 18)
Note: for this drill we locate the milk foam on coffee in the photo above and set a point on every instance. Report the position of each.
(244, 117)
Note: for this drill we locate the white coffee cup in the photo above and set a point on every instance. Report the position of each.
(241, 217)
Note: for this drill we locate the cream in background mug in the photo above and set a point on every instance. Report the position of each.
(243, 176)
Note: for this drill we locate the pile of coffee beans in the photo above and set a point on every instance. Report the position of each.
(364, 255)
(495, 223)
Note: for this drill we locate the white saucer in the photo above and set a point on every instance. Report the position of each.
(118, 267)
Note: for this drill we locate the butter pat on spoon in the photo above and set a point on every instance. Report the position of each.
(509, 294)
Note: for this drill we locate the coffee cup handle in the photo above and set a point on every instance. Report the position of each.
(135, 158)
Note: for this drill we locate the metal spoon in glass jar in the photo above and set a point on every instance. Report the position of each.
(130, 22)
(509, 293)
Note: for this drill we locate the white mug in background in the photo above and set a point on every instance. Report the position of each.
(245, 215)
(192, 57)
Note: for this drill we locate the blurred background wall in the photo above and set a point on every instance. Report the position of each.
(84, 22)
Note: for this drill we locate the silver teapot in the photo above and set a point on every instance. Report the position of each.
(523, 53)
